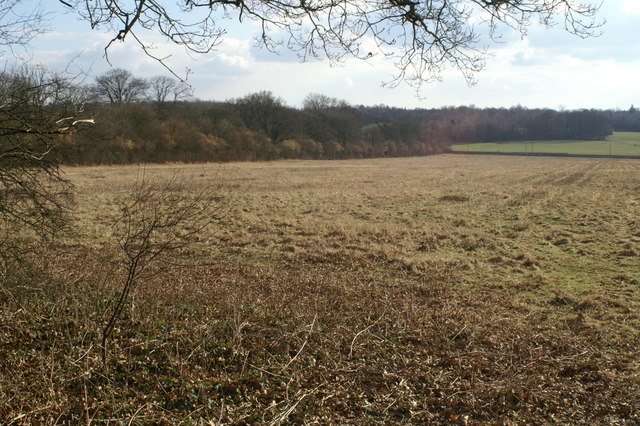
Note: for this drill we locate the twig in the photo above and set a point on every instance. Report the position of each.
(190, 414)
(283, 416)
(83, 355)
(459, 332)
(363, 331)
(264, 371)
(135, 414)
(86, 400)
(303, 344)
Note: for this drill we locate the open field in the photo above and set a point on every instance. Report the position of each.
(435, 290)
(620, 143)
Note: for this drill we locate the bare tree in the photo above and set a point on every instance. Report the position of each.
(420, 37)
(165, 89)
(36, 109)
(264, 112)
(319, 102)
(120, 86)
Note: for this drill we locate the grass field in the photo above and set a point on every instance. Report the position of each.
(436, 290)
(620, 143)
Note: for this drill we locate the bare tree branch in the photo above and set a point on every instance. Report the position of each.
(421, 37)
(37, 108)
(20, 23)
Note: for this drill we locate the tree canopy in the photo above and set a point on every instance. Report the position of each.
(420, 37)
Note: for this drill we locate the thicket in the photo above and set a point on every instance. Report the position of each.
(141, 121)
(626, 121)
(247, 130)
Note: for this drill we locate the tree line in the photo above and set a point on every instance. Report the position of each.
(154, 120)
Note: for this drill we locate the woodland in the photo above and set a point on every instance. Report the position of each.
(140, 121)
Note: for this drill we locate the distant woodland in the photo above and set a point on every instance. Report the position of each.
(139, 120)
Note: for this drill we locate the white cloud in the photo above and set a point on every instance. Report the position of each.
(632, 6)
(235, 61)
(349, 82)
(547, 69)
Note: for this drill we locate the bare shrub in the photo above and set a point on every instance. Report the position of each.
(157, 219)
(455, 198)
(37, 109)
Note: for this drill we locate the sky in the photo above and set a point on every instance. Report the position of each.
(547, 69)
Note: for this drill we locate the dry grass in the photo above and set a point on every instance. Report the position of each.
(446, 289)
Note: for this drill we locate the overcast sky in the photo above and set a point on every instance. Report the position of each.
(549, 68)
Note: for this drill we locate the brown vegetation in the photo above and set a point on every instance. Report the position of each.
(447, 289)
(261, 126)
